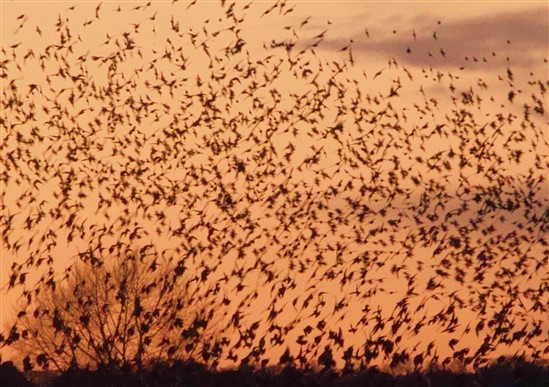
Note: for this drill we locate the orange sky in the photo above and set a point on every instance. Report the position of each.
(461, 45)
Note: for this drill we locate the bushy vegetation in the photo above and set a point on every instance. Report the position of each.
(504, 372)
(127, 313)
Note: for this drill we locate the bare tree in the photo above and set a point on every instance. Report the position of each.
(123, 312)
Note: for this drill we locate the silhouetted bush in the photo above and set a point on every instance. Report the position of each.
(11, 376)
(514, 372)
(121, 314)
(505, 372)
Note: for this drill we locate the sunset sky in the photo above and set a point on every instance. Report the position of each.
(430, 57)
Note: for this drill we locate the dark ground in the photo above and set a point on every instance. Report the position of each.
(499, 374)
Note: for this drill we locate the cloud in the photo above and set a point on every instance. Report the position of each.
(488, 40)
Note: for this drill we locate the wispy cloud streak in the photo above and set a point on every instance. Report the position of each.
(521, 36)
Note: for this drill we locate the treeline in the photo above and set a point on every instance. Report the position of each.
(504, 372)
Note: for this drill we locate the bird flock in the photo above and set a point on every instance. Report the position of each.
(339, 211)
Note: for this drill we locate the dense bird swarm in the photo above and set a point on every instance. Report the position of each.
(332, 217)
